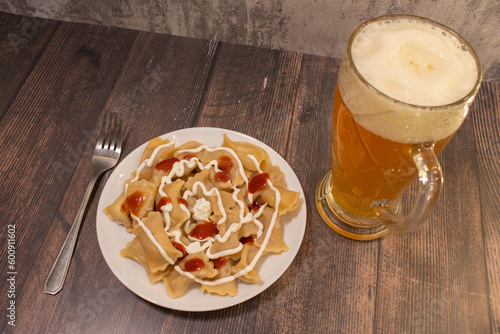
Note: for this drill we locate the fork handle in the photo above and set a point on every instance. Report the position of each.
(55, 279)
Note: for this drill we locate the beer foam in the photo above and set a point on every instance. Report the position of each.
(414, 62)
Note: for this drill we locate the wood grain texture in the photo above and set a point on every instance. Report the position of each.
(336, 277)
(443, 278)
(22, 40)
(250, 87)
(487, 140)
(146, 94)
(44, 140)
(434, 279)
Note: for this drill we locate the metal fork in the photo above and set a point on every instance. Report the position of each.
(106, 155)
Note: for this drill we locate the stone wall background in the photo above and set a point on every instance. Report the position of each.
(320, 27)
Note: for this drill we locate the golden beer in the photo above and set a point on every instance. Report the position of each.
(367, 167)
(404, 88)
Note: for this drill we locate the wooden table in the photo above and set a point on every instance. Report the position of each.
(57, 80)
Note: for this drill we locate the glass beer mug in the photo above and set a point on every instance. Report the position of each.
(404, 88)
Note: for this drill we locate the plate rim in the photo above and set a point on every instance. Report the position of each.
(222, 301)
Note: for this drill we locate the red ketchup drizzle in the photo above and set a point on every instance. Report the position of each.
(255, 206)
(219, 262)
(181, 248)
(182, 201)
(167, 164)
(258, 183)
(163, 201)
(134, 202)
(221, 176)
(189, 156)
(204, 230)
(194, 264)
(225, 163)
(247, 240)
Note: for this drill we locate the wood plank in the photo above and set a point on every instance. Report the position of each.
(45, 132)
(433, 280)
(163, 77)
(22, 40)
(334, 278)
(234, 98)
(161, 87)
(182, 67)
(252, 87)
(486, 117)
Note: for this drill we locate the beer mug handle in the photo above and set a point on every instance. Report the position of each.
(430, 179)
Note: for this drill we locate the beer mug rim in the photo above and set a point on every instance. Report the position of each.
(464, 100)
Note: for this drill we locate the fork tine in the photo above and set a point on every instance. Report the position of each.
(113, 131)
(108, 138)
(100, 139)
(119, 137)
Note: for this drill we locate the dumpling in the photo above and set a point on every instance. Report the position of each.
(140, 198)
(242, 149)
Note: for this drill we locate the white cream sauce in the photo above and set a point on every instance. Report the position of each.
(202, 209)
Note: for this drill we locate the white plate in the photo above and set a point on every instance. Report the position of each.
(113, 237)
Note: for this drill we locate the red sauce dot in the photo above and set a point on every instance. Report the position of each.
(134, 202)
(167, 164)
(195, 264)
(255, 206)
(181, 248)
(247, 240)
(225, 163)
(163, 201)
(219, 262)
(258, 183)
(189, 156)
(221, 176)
(182, 201)
(204, 230)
